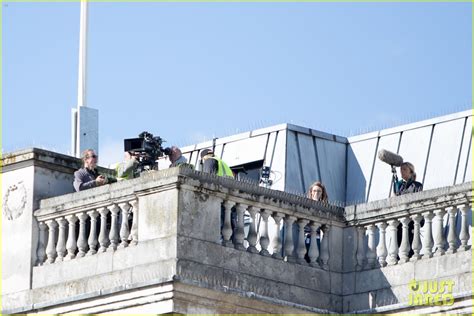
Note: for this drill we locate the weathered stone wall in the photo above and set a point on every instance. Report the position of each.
(27, 177)
(173, 258)
(386, 288)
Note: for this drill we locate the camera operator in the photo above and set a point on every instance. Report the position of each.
(127, 169)
(88, 177)
(176, 156)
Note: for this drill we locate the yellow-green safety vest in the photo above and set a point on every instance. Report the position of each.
(124, 170)
(223, 169)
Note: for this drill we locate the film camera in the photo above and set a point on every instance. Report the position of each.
(147, 148)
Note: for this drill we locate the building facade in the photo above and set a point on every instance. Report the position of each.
(167, 242)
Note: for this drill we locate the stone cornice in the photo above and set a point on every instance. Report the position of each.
(185, 178)
(245, 193)
(42, 158)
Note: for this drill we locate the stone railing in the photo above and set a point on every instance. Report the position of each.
(252, 218)
(86, 230)
(412, 227)
(280, 231)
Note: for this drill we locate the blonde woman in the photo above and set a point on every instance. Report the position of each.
(408, 184)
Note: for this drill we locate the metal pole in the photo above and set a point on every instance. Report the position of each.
(82, 79)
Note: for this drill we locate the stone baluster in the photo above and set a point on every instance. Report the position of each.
(382, 246)
(264, 240)
(464, 235)
(361, 255)
(252, 236)
(404, 249)
(452, 236)
(416, 244)
(371, 255)
(393, 244)
(289, 220)
(301, 247)
(82, 239)
(428, 234)
(62, 237)
(324, 257)
(227, 227)
(41, 250)
(71, 245)
(92, 241)
(113, 234)
(124, 229)
(103, 235)
(313, 252)
(134, 230)
(239, 230)
(439, 239)
(277, 238)
(51, 247)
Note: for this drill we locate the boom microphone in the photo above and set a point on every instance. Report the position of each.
(391, 158)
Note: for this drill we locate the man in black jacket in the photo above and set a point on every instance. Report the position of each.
(88, 177)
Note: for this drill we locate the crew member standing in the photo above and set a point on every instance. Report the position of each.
(408, 184)
(214, 165)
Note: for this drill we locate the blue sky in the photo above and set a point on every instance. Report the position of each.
(191, 71)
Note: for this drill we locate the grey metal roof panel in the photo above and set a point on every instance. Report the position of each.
(410, 126)
(268, 130)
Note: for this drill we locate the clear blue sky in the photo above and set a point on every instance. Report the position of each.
(191, 71)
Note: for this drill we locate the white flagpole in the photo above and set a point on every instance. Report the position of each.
(85, 120)
(82, 80)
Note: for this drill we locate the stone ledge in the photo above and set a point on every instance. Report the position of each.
(43, 158)
(256, 265)
(237, 270)
(461, 300)
(167, 179)
(90, 287)
(237, 301)
(408, 204)
(442, 267)
(106, 263)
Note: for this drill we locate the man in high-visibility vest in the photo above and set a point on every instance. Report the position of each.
(214, 165)
(126, 169)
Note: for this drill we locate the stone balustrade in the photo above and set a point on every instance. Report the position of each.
(276, 232)
(193, 235)
(85, 231)
(252, 219)
(412, 227)
(280, 225)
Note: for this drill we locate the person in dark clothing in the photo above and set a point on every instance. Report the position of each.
(176, 157)
(214, 165)
(88, 177)
(208, 165)
(317, 192)
(408, 184)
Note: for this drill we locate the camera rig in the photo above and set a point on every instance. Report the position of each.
(147, 148)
